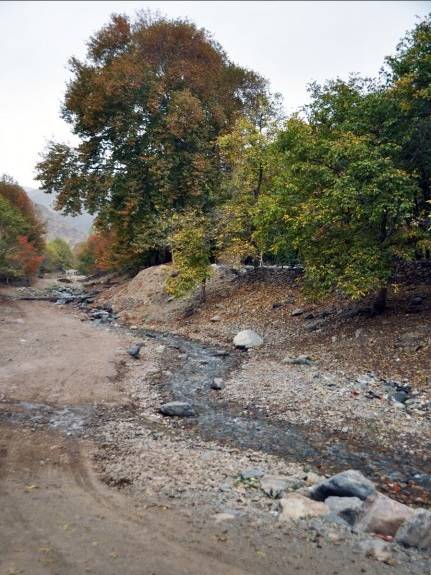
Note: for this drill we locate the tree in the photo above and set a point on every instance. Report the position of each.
(21, 239)
(348, 210)
(24, 258)
(58, 256)
(247, 153)
(17, 197)
(190, 245)
(148, 104)
(95, 254)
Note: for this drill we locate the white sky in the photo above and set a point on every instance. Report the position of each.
(290, 43)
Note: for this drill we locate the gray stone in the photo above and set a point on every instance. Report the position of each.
(217, 384)
(346, 507)
(215, 318)
(300, 360)
(255, 473)
(221, 353)
(247, 339)
(350, 483)
(177, 409)
(297, 312)
(416, 531)
(400, 396)
(383, 515)
(314, 325)
(135, 350)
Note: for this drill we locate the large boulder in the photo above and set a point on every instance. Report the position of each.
(247, 339)
(416, 531)
(383, 515)
(295, 506)
(350, 483)
(177, 409)
(346, 507)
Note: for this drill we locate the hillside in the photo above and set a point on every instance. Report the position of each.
(72, 229)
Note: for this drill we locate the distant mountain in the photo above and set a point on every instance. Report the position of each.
(73, 229)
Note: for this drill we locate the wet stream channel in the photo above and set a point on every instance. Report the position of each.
(188, 372)
(216, 420)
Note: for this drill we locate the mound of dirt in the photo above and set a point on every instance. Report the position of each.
(143, 299)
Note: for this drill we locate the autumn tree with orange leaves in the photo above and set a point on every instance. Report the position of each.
(21, 233)
(148, 104)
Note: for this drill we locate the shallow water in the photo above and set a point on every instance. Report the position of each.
(191, 381)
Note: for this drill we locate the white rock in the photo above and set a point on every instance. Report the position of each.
(247, 338)
(296, 506)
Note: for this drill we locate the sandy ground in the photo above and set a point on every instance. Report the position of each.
(57, 516)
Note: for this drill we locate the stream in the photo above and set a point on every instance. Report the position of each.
(189, 368)
(191, 380)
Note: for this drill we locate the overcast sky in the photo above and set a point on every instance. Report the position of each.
(290, 43)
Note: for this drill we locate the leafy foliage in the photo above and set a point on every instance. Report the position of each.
(190, 254)
(184, 154)
(348, 208)
(58, 256)
(94, 255)
(21, 233)
(148, 104)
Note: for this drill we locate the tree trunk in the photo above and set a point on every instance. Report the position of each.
(204, 291)
(379, 305)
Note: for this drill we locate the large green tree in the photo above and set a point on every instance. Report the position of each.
(348, 209)
(147, 104)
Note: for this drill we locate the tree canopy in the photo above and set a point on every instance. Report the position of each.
(184, 154)
(21, 233)
(148, 104)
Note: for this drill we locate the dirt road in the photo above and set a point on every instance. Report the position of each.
(57, 517)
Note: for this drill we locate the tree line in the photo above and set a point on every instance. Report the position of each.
(184, 155)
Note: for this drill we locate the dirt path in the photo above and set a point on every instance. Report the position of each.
(58, 518)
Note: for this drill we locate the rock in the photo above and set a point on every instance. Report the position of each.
(296, 312)
(314, 325)
(350, 483)
(99, 314)
(217, 384)
(416, 531)
(382, 515)
(135, 350)
(247, 339)
(400, 396)
(309, 315)
(423, 479)
(177, 409)
(221, 353)
(274, 485)
(377, 549)
(215, 318)
(276, 305)
(296, 506)
(254, 473)
(300, 360)
(346, 507)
